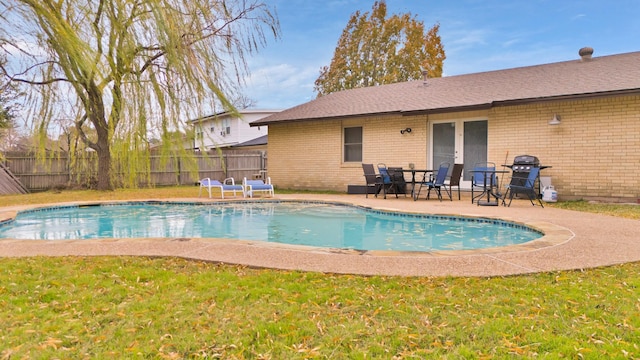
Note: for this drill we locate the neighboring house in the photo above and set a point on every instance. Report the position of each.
(253, 144)
(594, 151)
(224, 130)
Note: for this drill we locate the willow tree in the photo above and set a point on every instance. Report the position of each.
(375, 49)
(125, 69)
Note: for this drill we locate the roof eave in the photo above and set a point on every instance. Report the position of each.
(335, 117)
(448, 109)
(566, 97)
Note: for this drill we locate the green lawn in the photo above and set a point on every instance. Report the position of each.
(167, 308)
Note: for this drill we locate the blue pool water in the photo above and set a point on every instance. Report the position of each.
(302, 223)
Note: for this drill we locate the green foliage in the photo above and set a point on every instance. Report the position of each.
(126, 70)
(6, 115)
(8, 95)
(375, 49)
(174, 308)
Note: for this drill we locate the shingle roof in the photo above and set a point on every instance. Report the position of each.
(603, 75)
(262, 140)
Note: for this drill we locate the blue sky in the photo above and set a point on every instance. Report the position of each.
(478, 35)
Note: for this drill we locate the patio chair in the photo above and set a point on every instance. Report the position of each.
(436, 182)
(478, 181)
(372, 179)
(257, 186)
(528, 188)
(454, 179)
(397, 178)
(388, 185)
(228, 185)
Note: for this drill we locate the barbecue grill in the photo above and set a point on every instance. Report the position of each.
(521, 168)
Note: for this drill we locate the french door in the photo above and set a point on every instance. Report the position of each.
(459, 141)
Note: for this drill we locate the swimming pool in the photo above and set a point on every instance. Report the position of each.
(319, 224)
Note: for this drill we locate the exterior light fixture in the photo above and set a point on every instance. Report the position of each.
(407, 130)
(555, 120)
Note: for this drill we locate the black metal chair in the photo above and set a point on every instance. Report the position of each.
(372, 179)
(397, 178)
(388, 185)
(454, 179)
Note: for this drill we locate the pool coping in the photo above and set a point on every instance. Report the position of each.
(556, 250)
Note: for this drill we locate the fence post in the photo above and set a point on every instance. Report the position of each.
(225, 165)
(179, 172)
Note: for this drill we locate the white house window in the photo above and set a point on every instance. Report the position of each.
(353, 144)
(212, 129)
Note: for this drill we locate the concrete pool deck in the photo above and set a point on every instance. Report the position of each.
(573, 240)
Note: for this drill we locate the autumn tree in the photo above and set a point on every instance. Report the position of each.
(375, 49)
(125, 69)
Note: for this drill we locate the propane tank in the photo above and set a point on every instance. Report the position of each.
(549, 194)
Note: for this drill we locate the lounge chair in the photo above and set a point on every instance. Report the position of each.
(228, 185)
(253, 186)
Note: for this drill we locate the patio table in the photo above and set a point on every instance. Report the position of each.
(413, 172)
(489, 176)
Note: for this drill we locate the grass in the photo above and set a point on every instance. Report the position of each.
(174, 308)
(169, 308)
(621, 210)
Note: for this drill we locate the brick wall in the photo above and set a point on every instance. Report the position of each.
(594, 152)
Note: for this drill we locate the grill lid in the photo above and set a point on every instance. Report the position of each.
(526, 160)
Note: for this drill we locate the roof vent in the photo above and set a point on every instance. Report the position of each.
(585, 53)
(425, 77)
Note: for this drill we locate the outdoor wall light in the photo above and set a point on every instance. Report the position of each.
(555, 120)
(407, 130)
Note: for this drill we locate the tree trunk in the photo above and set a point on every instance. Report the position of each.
(104, 165)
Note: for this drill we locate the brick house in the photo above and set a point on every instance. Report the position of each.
(594, 151)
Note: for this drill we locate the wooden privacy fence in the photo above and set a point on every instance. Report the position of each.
(9, 184)
(57, 170)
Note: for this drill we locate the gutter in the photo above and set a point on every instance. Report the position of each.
(335, 117)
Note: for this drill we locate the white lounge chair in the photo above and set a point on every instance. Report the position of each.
(253, 186)
(228, 185)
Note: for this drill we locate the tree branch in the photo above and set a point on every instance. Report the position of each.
(14, 77)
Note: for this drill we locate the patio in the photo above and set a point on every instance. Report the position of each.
(574, 240)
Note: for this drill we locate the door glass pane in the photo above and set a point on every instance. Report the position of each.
(475, 145)
(444, 144)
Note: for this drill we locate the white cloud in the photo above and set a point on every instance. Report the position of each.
(282, 85)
